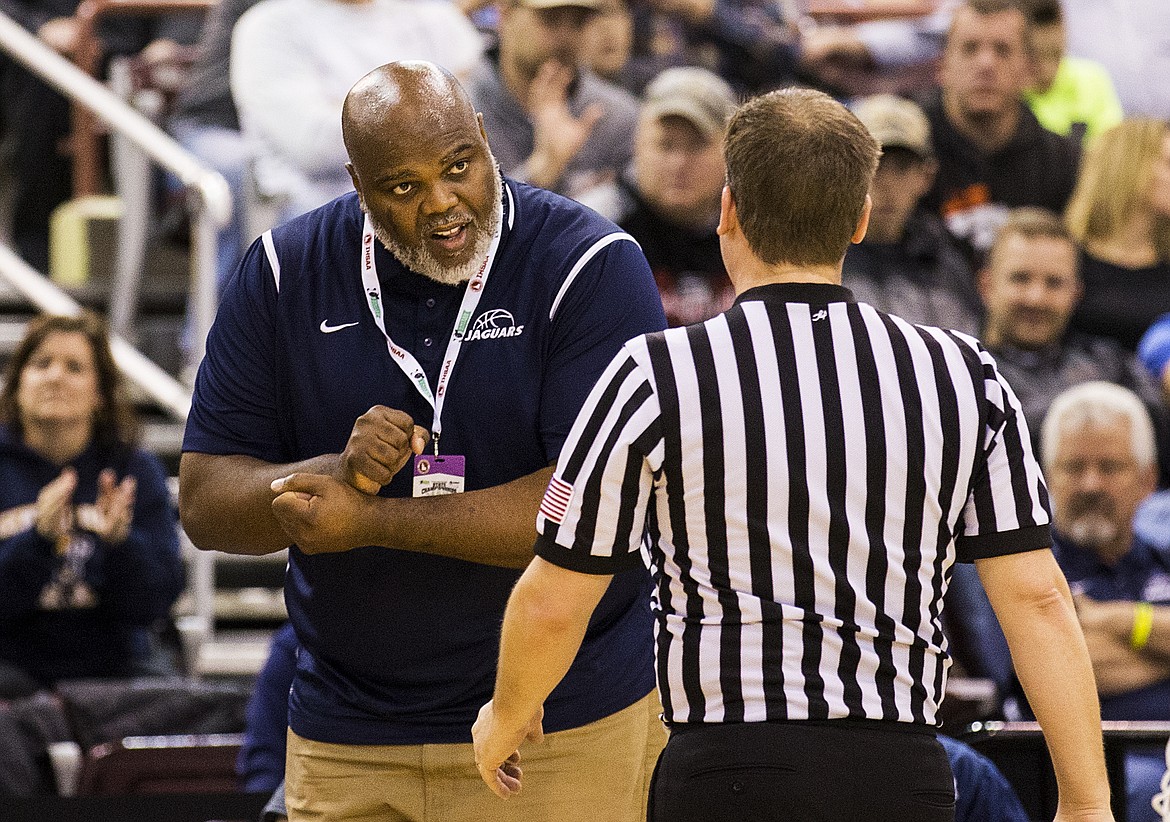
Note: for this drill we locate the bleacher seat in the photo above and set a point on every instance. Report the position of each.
(137, 765)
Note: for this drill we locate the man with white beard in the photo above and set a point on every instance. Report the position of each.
(1097, 448)
(460, 319)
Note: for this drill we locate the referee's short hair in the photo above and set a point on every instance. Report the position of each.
(799, 165)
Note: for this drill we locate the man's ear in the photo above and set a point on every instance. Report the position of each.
(728, 217)
(482, 130)
(862, 221)
(357, 185)
(983, 283)
(1032, 68)
(929, 172)
(1149, 477)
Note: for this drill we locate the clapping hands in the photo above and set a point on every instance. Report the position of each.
(114, 509)
(109, 518)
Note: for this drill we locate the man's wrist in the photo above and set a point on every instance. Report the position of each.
(379, 520)
(508, 713)
(543, 169)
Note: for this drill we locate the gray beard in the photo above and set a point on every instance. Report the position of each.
(1091, 530)
(421, 261)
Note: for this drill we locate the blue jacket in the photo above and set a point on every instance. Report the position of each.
(85, 612)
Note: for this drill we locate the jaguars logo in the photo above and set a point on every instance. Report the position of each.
(494, 324)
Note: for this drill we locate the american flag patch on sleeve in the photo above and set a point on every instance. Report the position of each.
(556, 500)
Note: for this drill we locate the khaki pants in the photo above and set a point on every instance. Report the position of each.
(596, 773)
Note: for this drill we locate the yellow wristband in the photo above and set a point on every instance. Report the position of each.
(1143, 624)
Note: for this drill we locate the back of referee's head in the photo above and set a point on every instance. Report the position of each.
(799, 166)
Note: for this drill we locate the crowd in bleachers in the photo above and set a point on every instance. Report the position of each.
(1023, 197)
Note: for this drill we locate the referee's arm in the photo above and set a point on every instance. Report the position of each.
(548, 613)
(590, 527)
(1035, 609)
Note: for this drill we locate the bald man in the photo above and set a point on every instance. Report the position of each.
(386, 385)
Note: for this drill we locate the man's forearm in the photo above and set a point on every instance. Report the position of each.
(544, 624)
(1118, 668)
(491, 526)
(1129, 642)
(225, 502)
(1054, 670)
(1035, 609)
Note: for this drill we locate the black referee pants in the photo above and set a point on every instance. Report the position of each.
(801, 772)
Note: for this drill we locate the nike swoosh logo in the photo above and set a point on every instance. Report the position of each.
(326, 328)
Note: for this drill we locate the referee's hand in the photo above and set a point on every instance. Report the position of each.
(382, 441)
(497, 754)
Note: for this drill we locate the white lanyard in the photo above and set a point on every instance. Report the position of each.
(406, 361)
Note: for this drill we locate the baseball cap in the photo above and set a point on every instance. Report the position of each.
(556, 4)
(895, 122)
(693, 93)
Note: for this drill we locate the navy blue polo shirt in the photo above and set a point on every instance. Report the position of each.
(400, 647)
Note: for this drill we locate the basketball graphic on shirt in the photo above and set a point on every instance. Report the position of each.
(494, 318)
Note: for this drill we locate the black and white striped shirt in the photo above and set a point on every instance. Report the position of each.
(800, 473)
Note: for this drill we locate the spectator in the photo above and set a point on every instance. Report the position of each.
(205, 122)
(608, 42)
(552, 121)
(1070, 95)
(1120, 215)
(292, 61)
(1030, 288)
(89, 554)
(908, 264)
(993, 154)
(1098, 456)
(37, 118)
(750, 43)
(668, 200)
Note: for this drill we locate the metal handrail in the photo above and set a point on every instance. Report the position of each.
(161, 387)
(211, 205)
(86, 163)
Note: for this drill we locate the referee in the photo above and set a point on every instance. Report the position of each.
(800, 473)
